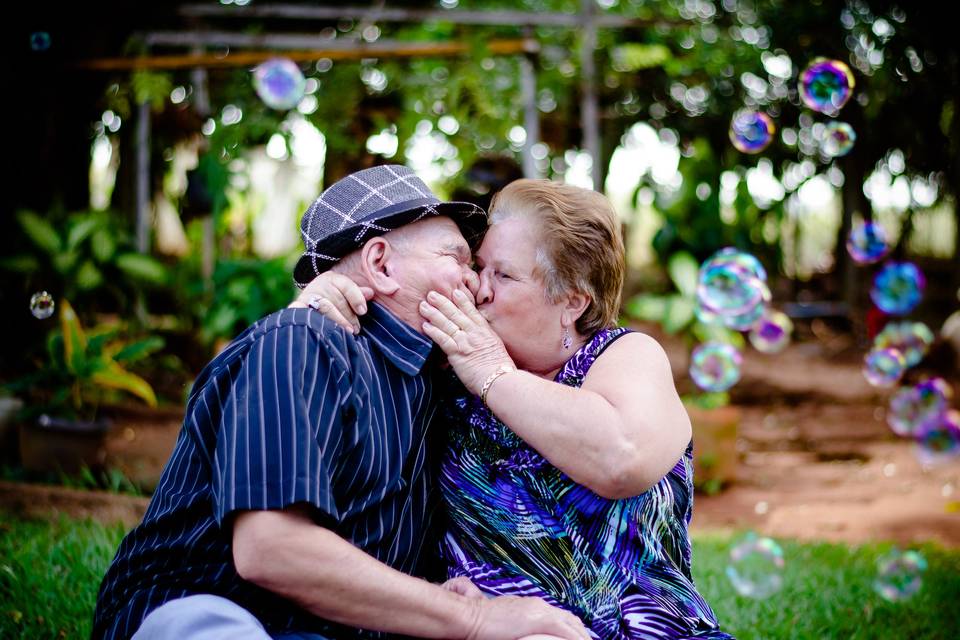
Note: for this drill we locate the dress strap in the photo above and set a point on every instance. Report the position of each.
(575, 369)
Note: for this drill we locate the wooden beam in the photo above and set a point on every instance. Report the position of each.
(496, 17)
(348, 51)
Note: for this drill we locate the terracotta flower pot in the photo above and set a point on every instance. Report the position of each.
(715, 456)
(57, 444)
(9, 407)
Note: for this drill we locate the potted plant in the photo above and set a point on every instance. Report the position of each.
(715, 422)
(61, 428)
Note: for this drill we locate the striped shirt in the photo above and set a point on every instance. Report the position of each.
(295, 410)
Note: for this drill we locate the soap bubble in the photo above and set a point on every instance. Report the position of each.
(715, 366)
(867, 243)
(751, 131)
(898, 288)
(899, 575)
(940, 443)
(913, 409)
(732, 286)
(39, 40)
(912, 339)
(838, 139)
(756, 567)
(42, 305)
(771, 334)
(279, 83)
(884, 367)
(826, 85)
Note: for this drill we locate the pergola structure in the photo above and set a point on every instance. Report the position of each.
(299, 47)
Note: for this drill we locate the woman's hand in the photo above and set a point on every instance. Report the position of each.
(337, 297)
(473, 349)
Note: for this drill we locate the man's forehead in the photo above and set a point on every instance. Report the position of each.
(450, 235)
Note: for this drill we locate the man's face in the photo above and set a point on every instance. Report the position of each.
(432, 256)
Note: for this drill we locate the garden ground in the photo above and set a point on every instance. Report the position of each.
(817, 463)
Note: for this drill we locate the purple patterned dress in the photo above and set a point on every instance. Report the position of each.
(519, 526)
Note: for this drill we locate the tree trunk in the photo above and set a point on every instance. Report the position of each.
(845, 269)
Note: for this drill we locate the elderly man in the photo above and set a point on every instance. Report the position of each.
(297, 501)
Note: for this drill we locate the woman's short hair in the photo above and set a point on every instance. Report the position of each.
(582, 246)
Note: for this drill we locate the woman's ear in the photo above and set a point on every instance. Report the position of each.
(374, 260)
(576, 304)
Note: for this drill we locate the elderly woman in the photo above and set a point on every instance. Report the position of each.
(568, 471)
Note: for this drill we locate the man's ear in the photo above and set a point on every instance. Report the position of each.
(374, 260)
(576, 304)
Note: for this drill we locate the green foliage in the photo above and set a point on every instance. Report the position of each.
(85, 254)
(245, 290)
(633, 56)
(111, 480)
(151, 87)
(84, 368)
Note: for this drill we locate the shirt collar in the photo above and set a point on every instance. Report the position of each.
(399, 343)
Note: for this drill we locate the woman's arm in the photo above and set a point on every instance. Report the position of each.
(618, 435)
(337, 297)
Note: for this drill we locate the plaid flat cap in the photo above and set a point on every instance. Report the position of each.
(370, 203)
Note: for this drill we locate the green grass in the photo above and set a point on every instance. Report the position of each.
(49, 575)
(828, 593)
(50, 572)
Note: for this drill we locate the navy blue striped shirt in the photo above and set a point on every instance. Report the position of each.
(295, 410)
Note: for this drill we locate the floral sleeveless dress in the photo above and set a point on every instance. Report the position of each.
(519, 526)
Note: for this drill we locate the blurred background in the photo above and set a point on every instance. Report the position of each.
(160, 154)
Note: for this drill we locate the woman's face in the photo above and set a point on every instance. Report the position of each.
(512, 298)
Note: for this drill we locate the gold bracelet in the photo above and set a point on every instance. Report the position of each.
(502, 369)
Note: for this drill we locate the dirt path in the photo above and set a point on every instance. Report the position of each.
(818, 460)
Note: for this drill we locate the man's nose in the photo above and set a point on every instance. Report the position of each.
(484, 291)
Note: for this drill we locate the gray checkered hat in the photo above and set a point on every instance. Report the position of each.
(369, 203)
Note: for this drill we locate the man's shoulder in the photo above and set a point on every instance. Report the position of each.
(297, 322)
(299, 328)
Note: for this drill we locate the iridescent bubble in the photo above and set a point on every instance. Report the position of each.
(751, 131)
(756, 567)
(772, 332)
(899, 575)
(42, 305)
(826, 85)
(898, 288)
(867, 243)
(838, 139)
(913, 409)
(749, 318)
(884, 367)
(940, 443)
(39, 40)
(279, 83)
(726, 289)
(715, 366)
(746, 261)
(732, 289)
(912, 339)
